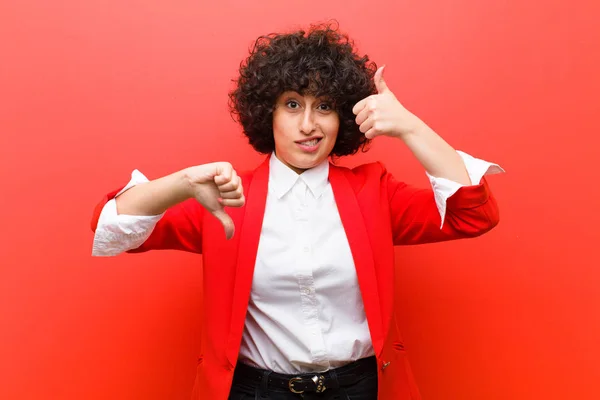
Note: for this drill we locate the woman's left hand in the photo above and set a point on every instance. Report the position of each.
(383, 114)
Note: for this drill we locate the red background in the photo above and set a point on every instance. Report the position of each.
(90, 90)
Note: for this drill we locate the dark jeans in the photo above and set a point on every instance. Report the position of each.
(364, 387)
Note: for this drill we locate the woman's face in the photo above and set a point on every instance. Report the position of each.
(305, 129)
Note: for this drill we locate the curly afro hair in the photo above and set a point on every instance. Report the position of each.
(320, 62)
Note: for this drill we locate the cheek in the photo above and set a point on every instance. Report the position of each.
(281, 126)
(333, 129)
(278, 132)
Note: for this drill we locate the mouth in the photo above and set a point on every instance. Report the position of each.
(310, 145)
(309, 142)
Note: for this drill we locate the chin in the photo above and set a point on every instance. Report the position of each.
(309, 162)
(302, 162)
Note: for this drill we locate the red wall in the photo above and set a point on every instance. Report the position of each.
(90, 90)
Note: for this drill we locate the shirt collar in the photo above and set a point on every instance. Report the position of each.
(282, 178)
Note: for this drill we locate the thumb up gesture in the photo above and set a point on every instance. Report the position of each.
(216, 186)
(382, 113)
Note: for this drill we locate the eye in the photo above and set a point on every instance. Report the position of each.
(324, 107)
(292, 104)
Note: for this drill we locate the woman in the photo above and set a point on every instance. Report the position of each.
(299, 301)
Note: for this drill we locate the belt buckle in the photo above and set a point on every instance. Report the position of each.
(291, 385)
(320, 382)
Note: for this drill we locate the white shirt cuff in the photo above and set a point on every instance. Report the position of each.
(443, 188)
(117, 233)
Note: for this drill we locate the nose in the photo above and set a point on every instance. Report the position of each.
(307, 124)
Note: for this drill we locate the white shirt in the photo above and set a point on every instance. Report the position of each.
(305, 311)
(305, 306)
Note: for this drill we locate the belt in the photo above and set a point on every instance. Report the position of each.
(308, 382)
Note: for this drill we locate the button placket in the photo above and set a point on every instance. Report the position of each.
(304, 272)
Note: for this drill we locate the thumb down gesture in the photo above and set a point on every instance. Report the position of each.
(216, 186)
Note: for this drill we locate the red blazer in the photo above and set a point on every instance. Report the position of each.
(377, 212)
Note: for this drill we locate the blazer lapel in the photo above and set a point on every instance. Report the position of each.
(256, 197)
(354, 226)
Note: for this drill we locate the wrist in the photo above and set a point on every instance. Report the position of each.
(183, 183)
(413, 129)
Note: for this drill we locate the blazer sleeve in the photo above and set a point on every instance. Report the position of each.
(180, 228)
(415, 219)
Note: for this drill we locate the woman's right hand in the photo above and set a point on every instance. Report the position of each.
(216, 186)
